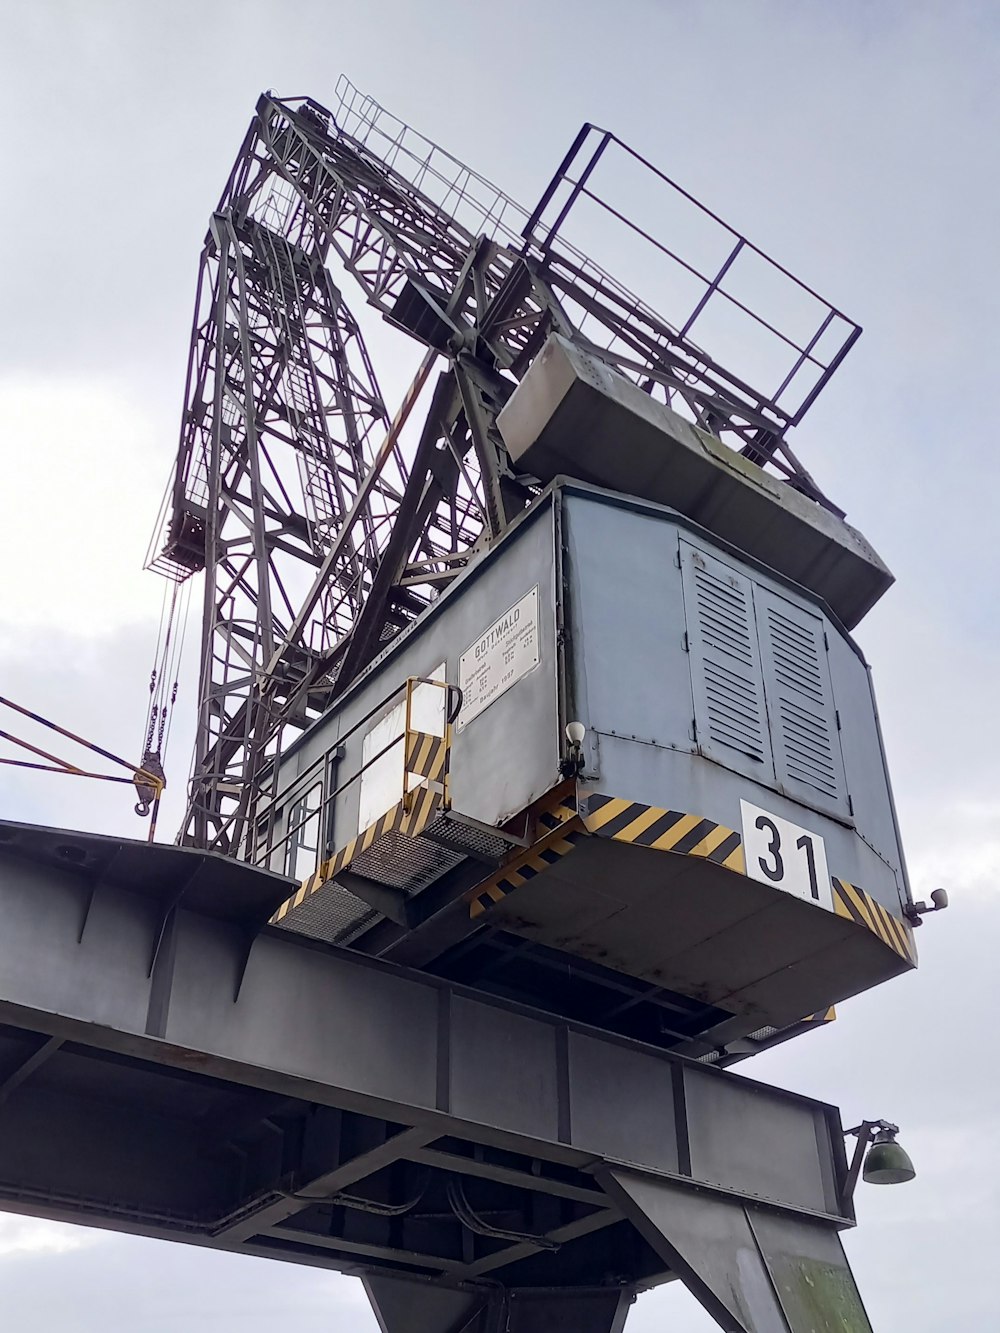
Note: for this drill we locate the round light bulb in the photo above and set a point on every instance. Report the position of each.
(575, 732)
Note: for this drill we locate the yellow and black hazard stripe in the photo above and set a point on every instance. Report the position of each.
(691, 835)
(426, 755)
(522, 869)
(674, 831)
(558, 827)
(555, 812)
(409, 817)
(664, 830)
(828, 1015)
(853, 904)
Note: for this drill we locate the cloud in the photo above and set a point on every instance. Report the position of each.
(22, 1237)
(97, 687)
(146, 1286)
(83, 478)
(81, 488)
(956, 845)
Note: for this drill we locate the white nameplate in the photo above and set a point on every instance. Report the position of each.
(500, 657)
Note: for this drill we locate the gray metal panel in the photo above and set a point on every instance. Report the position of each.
(324, 1024)
(803, 716)
(403, 1306)
(733, 956)
(328, 1023)
(631, 684)
(773, 1155)
(726, 670)
(812, 1277)
(867, 776)
(593, 1311)
(690, 926)
(664, 777)
(759, 660)
(570, 407)
(508, 755)
(710, 1243)
(624, 1099)
(75, 1145)
(844, 969)
(80, 939)
(754, 1272)
(509, 1071)
(628, 668)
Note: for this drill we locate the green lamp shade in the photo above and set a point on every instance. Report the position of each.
(887, 1163)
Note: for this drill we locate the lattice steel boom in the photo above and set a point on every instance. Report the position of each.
(318, 537)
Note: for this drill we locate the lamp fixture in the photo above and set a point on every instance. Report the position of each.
(575, 733)
(914, 911)
(886, 1162)
(572, 765)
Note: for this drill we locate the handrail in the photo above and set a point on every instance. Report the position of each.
(453, 705)
(408, 683)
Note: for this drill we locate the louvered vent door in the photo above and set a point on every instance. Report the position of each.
(726, 674)
(807, 756)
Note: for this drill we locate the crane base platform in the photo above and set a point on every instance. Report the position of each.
(655, 901)
(173, 1066)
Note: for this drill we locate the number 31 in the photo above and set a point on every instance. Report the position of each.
(775, 870)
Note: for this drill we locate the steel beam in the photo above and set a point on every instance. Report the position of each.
(45, 1049)
(403, 1306)
(405, 1124)
(314, 1021)
(750, 1269)
(323, 1188)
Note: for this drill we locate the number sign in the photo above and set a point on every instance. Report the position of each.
(785, 856)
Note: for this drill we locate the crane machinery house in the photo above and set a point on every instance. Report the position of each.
(718, 862)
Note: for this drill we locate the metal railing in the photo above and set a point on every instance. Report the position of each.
(806, 370)
(266, 848)
(784, 324)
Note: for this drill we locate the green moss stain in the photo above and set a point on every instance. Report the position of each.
(821, 1298)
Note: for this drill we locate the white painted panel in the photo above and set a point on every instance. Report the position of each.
(382, 780)
(786, 856)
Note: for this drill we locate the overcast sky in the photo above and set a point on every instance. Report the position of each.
(855, 141)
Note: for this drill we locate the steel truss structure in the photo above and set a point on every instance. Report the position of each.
(320, 535)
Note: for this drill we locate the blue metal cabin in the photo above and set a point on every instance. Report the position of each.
(718, 863)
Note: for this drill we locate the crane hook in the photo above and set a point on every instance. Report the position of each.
(148, 791)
